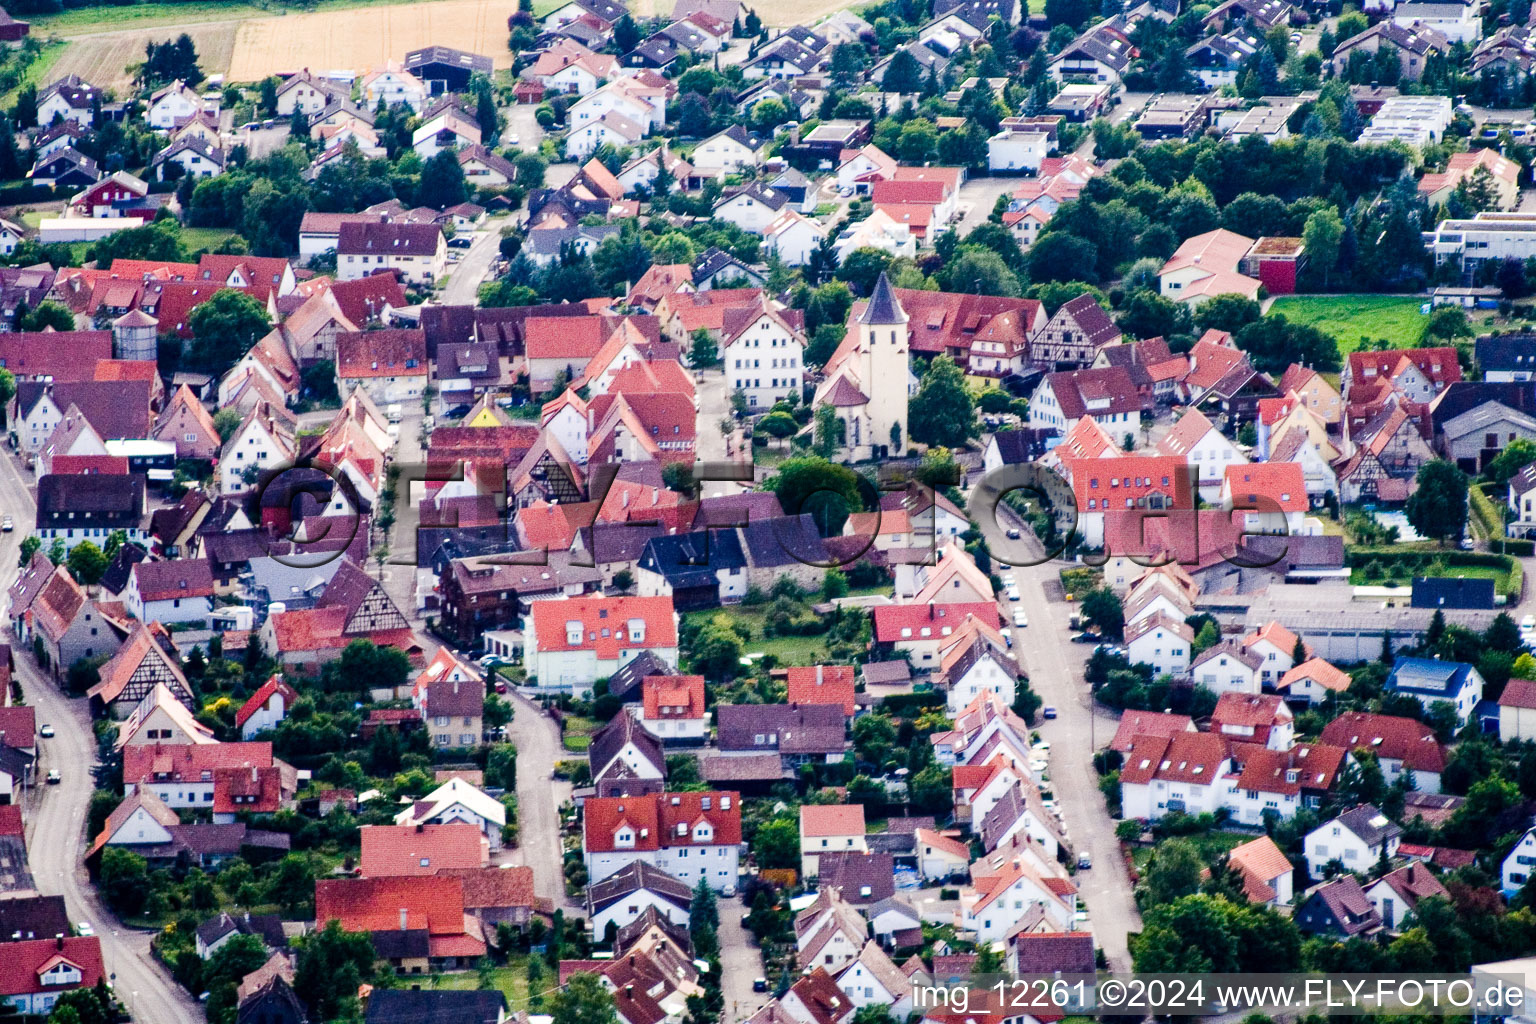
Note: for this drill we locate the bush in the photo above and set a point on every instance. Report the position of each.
(1516, 548)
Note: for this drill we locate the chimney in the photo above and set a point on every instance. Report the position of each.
(402, 918)
(421, 826)
(931, 610)
(58, 942)
(818, 674)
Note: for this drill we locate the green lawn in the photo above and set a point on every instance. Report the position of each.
(204, 238)
(578, 733)
(1208, 844)
(512, 980)
(37, 69)
(1351, 318)
(1500, 577)
(789, 650)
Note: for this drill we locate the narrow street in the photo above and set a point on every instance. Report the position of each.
(740, 964)
(539, 798)
(710, 444)
(465, 276)
(55, 815)
(1055, 667)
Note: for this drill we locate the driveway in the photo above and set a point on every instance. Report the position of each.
(56, 814)
(740, 964)
(539, 798)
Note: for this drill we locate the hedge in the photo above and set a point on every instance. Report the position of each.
(1484, 511)
(1510, 546)
(911, 705)
(1412, 560)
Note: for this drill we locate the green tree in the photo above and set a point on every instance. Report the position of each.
(1230, 312)
(442, 181)
(717, 650)
(1324, 235)
(981, 271)
(703, 352)
(811, 484)
(29, 547)
(48, 314)
(1438, 508)
(584, 1000)
(903, 74)
(332, 964)
(363, 665)
(124, 881)
(778, 424)
(827, 432)
(226, 422)
(224, 328)
(1174, 871)
(1514, 457)
(87, 563)
(1448, 323)
(7, 387)
(931, 791)
(1101, 608)
(292, 885)
(942, 411)
(777, 844)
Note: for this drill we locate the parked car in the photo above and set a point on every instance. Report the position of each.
(1049, 711)
(1013, 533)
(84, 929)
(1019, 618)
(46, 732)
(7, 524)
(759, 984)
(460, 242)
(54, 778)
(1084, 862)
(1013, 593)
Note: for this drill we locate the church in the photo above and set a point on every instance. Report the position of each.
(869, 378)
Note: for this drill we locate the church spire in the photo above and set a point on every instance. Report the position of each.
(883, 306)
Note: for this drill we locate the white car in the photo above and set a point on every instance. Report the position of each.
(85, 929)
(1019, 618)
(1013, 593)
(1528, 624)
(511, 139)
(1038, 766)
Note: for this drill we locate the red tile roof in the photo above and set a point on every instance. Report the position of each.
(907, 622)
(822, 684)
(1440, 365)
(604, 624)
(682, 697)
(1518, 693)
(1194, 757)
(1148, 723)
(272, 686)
(62, 355)
(653, 820)
(187, 762)
(75, 465)
(364, 299)
(25, 963)
(1388, 736)
(575, 338)
(395, 850)
(433, 902)
(252, 790)
(389, 353)
(1281, 482)
(177, 578)
(1126, 481)
(831, 820)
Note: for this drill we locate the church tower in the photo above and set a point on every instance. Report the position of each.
(884, 346)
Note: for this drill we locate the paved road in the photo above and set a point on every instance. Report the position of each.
(711, 444)
(740, 963)
(465, 276)
(1055, 667)
(539, 798)
(56, 814)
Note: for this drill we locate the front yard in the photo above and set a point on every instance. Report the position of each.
(788, 650)
(1208, 844)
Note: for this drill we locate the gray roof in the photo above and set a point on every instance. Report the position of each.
(633, 878)
(610, 739)
(883, 307)
(1365, 821)
(391, 1006)
(788, 540)
(787, 728)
